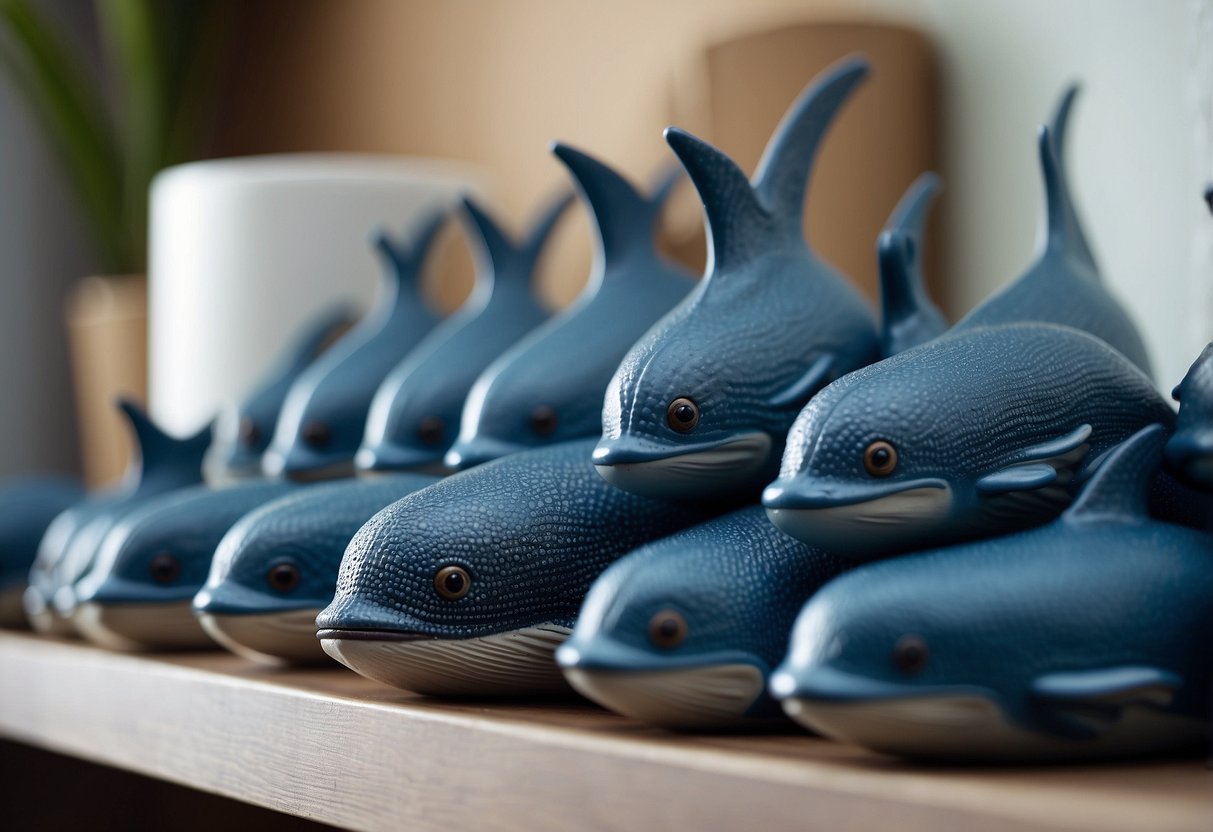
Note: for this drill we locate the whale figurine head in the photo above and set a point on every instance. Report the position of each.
(1086, 637)
(548, 387)
(981, 432)
(415, 413)
(467, 587)
(682, 633)
(700, 406)
(908, 316)
(276, 568)
(324, 414)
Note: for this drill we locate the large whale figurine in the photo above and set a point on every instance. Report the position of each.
(243, 431)
(276, 568)
(415, 413)
(161, 463)
(154, 559)
(324, 414)
(27, 507)
(548, 387)
(1088, 637)
(908, 316)
(700, 406)
(467, 587)
(682, 633)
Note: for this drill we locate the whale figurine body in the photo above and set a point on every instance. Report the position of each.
(154, 559)
(324, 415)
(1087, 637)
(27, 507)
(415, 413)
(467, 587)
(683, 632)
(548, 387)
(700, 406)
(908, 316)
(276, 568)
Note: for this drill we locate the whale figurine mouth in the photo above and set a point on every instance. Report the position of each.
(468, 453)
(514, 663)
(280, 637)
(141, 627)
(386, 458)
(679, 472)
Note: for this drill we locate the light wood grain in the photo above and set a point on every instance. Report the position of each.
(331, 746)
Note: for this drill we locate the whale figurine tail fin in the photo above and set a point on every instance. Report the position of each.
(406, 259)
(508, 261)
(1063, 231)
(908, 317)
(1119, 489)
(160, 455)
(1059, 124)
(774, 205)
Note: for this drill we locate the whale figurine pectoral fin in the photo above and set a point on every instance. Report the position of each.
(1085, 703)
(803, 388)
(1040, 465)
(1018, 478)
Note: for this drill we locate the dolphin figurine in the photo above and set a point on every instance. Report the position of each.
(1087, 637)
(324, 414)
(27, 507)
(276, 568)
(154, 559)
(548, 387)
(243, 431)
(1062, 286)
(980, 432)
(415, 413)
(908, 316)
(467, 587)
(700, 406)
(161, 463)
(682, 633)
(1189, 453)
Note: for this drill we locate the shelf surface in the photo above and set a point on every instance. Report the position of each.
(328, 745)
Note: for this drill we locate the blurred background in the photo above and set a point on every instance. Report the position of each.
(958, 86)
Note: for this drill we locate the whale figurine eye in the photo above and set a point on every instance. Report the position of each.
(667, 629)
(164, 568)
(452, 582)
(543, 420)
(429, 430)
(879, 458)
(283, 576)
(682, 415)
(316, 434)
(250, 434)
(910, 653)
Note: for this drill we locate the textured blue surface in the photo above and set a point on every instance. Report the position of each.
(414, 416)
(1102, 593)
(548, 387)
(1190, 450)
(532, 530)
(309, 531)
(908, 316)
(324, 415)
(769, 325)
(27, 507)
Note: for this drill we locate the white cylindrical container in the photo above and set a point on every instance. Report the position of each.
(244, 251)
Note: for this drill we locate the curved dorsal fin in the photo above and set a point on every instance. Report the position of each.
(624, 219)
(156, 450)
(903, 295)
(1120, 488)
(1059, 125)
(1062, 235)
(501, 256)
(406, 259)
(542, 225)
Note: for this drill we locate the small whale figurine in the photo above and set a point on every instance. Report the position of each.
(276, 568)
(152, 562)
(981, 432)
(324, 414)
(548, 387)
(908, 316)
(1085, 638)
(415, 413)
(467, 587)
(682, 633)
(161, 463)
(243, 431)
(27, 507)
(700, 406)
(1063, 285)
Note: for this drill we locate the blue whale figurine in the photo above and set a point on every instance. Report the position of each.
(27, 507)
(908, 316)
(161, 463)
(980, 432)
(276, 568)
(324, 414)
(682, 633)
(700, 406)
(154, 559)
(243, 431)
(1190, 449)
(467, 587)
(415, 413)
(548, 387)
(1087, 637)
(1062, 286)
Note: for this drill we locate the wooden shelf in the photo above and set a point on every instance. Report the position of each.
(328, 745)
